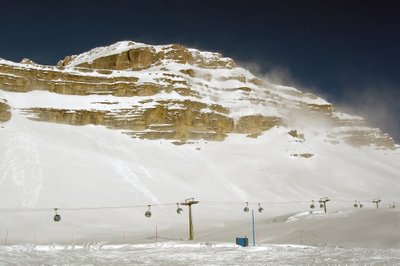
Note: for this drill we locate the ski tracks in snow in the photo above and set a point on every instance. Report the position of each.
(132, 177)
(21, 164)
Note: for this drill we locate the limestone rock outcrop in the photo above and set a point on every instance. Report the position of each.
(254, 125)
(182, 123)
(5, 113)
(132, 59)
(27, 61)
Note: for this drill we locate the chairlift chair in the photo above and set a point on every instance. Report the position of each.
(57, 217)
(260, 209)
(179, 210)
(148, 212)
(246, 209)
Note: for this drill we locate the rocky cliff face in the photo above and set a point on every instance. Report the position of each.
(5, 113)
(170, 92)
(133, 56)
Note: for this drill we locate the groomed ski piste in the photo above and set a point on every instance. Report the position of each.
(172, 253)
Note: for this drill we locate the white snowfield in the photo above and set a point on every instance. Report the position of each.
(102, 182)
(45, 165)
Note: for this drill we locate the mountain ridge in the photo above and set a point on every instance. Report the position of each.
(179, 94)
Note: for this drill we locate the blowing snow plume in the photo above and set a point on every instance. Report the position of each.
(379, 106)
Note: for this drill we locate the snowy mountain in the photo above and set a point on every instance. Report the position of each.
(131, 125)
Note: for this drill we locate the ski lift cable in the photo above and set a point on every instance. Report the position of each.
(224, 203)
(251, 202)
(86, 208)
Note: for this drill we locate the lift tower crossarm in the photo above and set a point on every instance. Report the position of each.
(324, 201)
(376, 201)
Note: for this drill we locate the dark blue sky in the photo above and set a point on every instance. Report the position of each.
(345, 51)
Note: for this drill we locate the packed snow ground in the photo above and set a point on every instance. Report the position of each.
(369, 228)
(172, 253)
(326, 239)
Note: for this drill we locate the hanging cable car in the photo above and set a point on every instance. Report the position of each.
(179, 210)
(148, 212)
(57, 217)
(260, 209)
(321, 205)
(246, 209)
(312, 206)
(355, 204)
(360, 204)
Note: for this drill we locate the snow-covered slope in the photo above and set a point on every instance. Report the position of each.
(86, 140)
